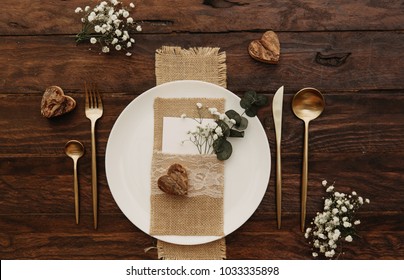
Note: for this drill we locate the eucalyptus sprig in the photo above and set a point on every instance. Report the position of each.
(214, 138)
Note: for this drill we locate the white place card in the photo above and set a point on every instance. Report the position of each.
(175, 135)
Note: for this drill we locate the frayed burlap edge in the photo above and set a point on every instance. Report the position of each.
(203, 63)
(215, 250)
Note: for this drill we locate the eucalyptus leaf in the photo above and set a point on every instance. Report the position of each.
(231, 114)
(226, 150)
(217, 145)
(236, 133)
(252, 111)
(243, 124)
(244, 103)
(248, 99)
(225, 128)
(262, 100)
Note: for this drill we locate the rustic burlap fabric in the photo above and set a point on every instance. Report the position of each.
(205, 64)
(201, 211)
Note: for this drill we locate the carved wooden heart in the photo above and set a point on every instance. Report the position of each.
(267, 49)
(55, 103)
(175, 182)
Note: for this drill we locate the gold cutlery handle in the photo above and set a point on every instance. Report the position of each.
(94, 175)
(304, 175)
(278, 184)
(76, 192)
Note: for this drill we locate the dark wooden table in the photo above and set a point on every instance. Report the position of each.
(358, 142)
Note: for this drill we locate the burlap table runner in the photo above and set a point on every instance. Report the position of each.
(205, 64)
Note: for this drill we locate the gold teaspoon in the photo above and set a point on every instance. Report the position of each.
(75, 150)
(307, 105)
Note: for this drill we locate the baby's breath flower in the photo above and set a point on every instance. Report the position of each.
(128, 54)
(199, 105)
(139, 28)
(93, 40)
(118, 32)
(97, 28)
(347, 224)
(335, 224)
(118, 47)
(111, 21)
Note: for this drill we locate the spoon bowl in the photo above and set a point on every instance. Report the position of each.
(75, 150)
(307, 105)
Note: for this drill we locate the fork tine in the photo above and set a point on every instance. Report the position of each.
(93, 98)
(97, 97)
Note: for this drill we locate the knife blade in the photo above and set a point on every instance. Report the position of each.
(277, 106)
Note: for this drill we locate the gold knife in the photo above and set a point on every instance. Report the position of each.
(277, 105)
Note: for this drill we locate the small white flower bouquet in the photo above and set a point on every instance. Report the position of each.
(212, 137)
(108, 24)
(335, 224)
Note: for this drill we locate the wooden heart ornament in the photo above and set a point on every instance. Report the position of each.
(267, 49)
(55, 103)
(175, 182)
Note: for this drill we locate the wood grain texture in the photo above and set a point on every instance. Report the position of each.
(34, 62)
(57, 17)
(358, 141)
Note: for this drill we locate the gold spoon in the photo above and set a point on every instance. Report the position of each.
(307, 105)
(75, 150)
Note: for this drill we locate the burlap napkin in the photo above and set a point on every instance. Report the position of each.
(200, 212)
(205, 64)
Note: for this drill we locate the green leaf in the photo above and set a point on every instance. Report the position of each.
(225, 128)
(226, 150)
(248, 99)
(261, 101)
(243, 124)
(217, 144)
(231, 114)
(236, 133)
(252, 111)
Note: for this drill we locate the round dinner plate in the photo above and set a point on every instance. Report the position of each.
(129, 155)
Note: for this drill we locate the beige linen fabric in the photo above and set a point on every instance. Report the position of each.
(205, 64)
(201, 211)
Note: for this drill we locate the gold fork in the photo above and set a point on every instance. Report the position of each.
(93, 109)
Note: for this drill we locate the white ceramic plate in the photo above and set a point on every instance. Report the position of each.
(129, 153)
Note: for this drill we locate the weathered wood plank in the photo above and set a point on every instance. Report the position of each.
(57, 237)
(58, 17)
(30, 64)
(370, 125)
(23, 192)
